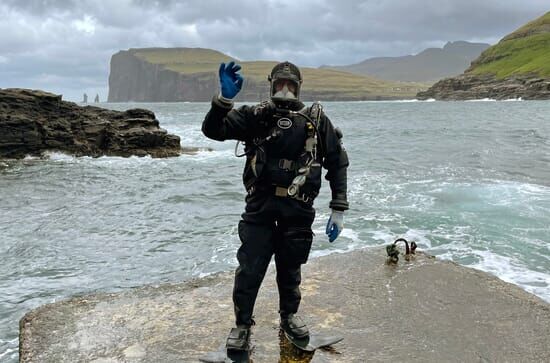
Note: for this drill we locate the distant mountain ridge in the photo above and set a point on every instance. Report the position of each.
(430, 65)
(516, 67)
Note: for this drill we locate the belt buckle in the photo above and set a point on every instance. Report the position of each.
(281, 192)
(285, 164)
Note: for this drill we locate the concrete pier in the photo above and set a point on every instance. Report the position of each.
(423, 310)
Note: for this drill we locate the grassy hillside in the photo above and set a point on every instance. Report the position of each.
(527, 50)
(199, 60)
(185, 60)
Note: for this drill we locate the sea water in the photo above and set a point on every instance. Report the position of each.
(468, 181)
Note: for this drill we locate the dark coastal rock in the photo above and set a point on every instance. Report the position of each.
(475, 87)
(424, 310)
(32, 122)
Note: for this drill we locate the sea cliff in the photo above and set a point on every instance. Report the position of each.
(135, 79)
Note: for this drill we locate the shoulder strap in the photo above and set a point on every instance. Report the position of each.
(315, 112)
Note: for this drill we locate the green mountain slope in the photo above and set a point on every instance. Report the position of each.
(525, 51)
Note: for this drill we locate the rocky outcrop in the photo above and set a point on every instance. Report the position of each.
(32, 122)
(472, 87)
(424, 310)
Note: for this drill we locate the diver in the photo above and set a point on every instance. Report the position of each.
(285, 144)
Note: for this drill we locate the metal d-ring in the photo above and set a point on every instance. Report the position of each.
(393, 251)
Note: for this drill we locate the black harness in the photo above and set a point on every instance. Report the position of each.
(309, 158)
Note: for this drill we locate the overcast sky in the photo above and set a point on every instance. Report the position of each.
(65, 46)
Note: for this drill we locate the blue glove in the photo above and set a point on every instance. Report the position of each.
(231, 82)
(335, 225)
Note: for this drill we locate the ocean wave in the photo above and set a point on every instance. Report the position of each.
(408, 100)
(209, 155)
(59, 156)
(11, 348)
(509, 270)
(482, 100)
(495, 100)
(506, 268)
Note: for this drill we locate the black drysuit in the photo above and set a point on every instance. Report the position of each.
(274, 223)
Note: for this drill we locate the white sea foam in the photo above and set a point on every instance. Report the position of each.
(495, 100)
(190, 135)
(482, 100)
(509, 270)
(202, 155)
(30, 157)
(379, 217)
(59, 156)
(386, 236)
(407, 100)
(51, 155)
(350, 234)
(12, 350)
(506, 268)
(418, 236)
(404, 101)
(207, 155)
(330, 251)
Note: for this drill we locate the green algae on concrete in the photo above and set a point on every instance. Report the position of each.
(424, 310)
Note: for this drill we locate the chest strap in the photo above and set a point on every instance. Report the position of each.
(283, 192)
(288, 165)
(284, 164)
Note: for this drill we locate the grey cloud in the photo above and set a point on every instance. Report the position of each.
(70, 42)
(41, 7)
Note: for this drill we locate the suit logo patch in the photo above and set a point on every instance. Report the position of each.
(284, 123)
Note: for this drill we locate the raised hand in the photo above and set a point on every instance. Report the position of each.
(231, 82)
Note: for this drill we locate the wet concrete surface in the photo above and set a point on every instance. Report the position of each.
(423, 310)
